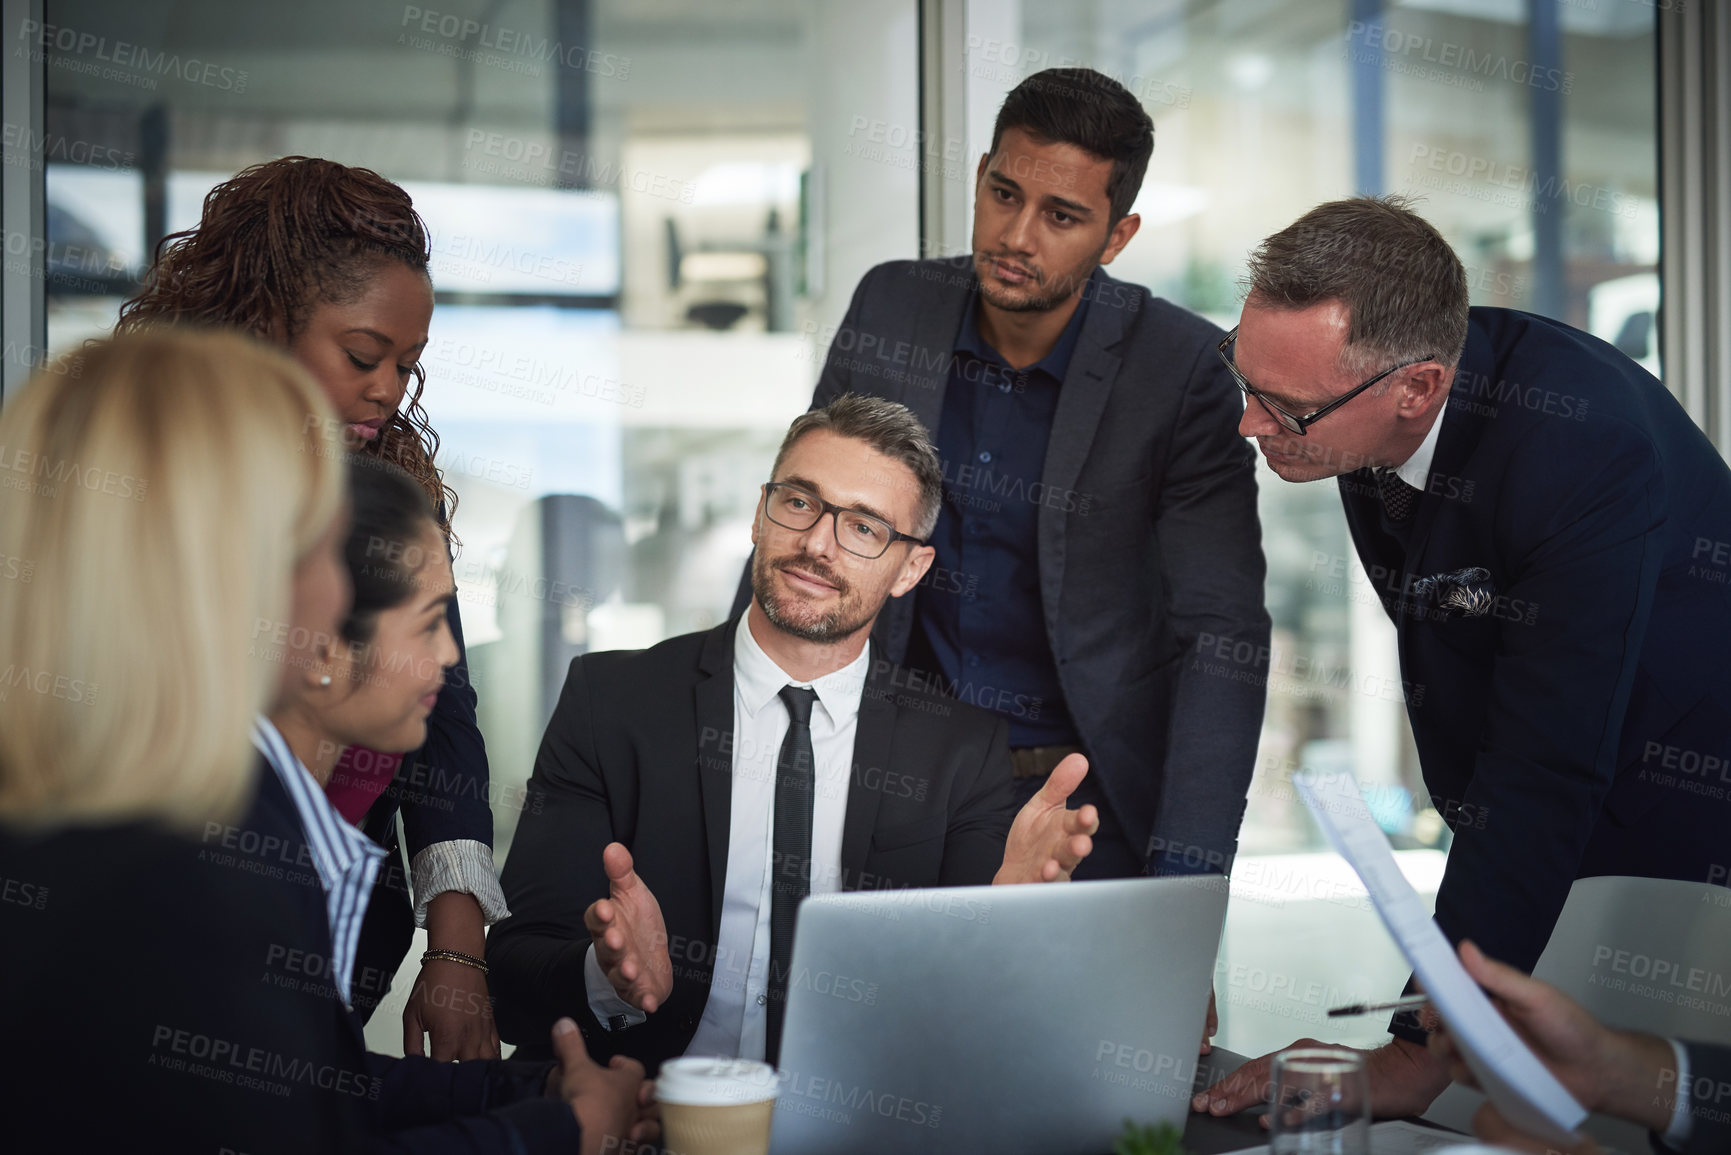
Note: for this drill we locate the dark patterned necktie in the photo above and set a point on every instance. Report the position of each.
(790, 863)
(1398, 498)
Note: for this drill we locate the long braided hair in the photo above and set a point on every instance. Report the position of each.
(278, 239)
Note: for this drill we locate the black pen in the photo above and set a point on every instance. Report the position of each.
(1408, 1003)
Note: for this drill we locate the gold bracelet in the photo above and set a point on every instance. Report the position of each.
(456, 957)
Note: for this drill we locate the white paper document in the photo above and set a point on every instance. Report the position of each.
(1527, 1094)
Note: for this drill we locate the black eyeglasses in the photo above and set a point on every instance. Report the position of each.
(1292, 422)
(793, 507)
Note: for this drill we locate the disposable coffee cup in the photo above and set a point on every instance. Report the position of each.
(716, 1106)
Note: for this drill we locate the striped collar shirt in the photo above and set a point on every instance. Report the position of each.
(347, 861)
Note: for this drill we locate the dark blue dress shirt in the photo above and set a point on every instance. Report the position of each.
(978, 619)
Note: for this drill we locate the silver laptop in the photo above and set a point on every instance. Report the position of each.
(990, 1018)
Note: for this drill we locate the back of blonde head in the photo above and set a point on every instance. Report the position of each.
(162, 487)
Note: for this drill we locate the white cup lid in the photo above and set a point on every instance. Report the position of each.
(715, 1081)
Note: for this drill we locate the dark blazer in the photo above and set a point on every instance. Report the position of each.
(1709, 1072)
(1150, 549)
(174, 993)
(129, 947)
(639, 751)
(1578, 722)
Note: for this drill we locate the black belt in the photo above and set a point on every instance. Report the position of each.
(1038, 761)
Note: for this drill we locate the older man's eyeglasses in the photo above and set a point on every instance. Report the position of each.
(1292, 422)
(794, 507)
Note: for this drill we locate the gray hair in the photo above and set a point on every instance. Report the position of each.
(1404, 289)
(888, 427)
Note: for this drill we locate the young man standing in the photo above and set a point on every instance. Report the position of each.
(1098, 542)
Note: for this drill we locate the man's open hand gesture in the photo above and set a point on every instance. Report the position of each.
(630, 937)
(1048, 840)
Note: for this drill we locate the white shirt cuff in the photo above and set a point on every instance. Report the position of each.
(1676, 1136)
(604, 1001)
(464, 865)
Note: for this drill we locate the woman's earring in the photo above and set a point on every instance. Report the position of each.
(325, 681)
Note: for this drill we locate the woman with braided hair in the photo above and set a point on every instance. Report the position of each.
(329, 262)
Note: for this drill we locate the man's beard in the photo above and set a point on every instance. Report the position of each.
(837, 623)
(1037, 296)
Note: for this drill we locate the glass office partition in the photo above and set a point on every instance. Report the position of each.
(642, 215)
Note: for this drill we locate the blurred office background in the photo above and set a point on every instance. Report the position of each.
(649, 214)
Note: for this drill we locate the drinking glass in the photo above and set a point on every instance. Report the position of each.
(1319, 1102)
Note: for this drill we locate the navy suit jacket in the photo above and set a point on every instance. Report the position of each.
(1580, 723)
(640, 751)
(421, 1105)
(175, 995)
(1150, 551)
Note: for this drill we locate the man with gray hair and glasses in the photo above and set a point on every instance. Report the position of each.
(688, 796)
(1550, 534)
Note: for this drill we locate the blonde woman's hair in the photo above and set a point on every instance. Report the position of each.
(156, 492)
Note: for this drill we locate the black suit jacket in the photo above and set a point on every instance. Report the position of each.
(173, 993)
(1150, 550)
(1581, 723)
(418, 1105)
(131, 954)
(639, 751)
